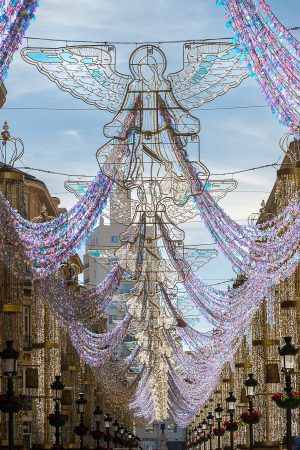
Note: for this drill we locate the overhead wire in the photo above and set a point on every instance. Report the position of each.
(91, 176)
(45, 108)
(149, 42)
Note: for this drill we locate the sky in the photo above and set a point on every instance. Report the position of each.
(66, 141)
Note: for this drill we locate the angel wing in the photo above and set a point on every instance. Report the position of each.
(87, 73)
(209, 70)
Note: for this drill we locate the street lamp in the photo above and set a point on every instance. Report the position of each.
(107, 422)
(195, 433)
(204, 425)
(189, 439)
(250, 385)
(121, 431)
(198, 434)
(210, 423)
(218, 416)
(204, 428)
(230, 403)
(57, 388)
(288, 354)
(9, 358)
(97, 418)
(81, 406)
(115, 426)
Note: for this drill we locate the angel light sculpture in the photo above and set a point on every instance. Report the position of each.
(140, 151)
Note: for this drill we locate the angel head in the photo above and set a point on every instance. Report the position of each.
(148, 63)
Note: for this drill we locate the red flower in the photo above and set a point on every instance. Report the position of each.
(250, 417)
(276, 397)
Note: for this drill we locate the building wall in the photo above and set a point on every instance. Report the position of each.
(258, 353)
(45, 349)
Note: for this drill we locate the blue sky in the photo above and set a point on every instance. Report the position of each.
(67, 141)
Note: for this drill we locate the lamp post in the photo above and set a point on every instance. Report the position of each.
(230, 403)
(218, 416)
(210, 423)
(250, 384)
(57, 388)
(198, 435)
(189, 438)
(204, 428)
(115, 426)
(81, 406)
(9, 358)
(97, 418)
(288, 361)
(107, 422)
(130, 439)
(121, 430)
(195, 434)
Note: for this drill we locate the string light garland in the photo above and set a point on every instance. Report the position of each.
(14, 21)
(272, 54)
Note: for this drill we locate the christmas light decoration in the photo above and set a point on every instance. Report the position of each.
(272, 54)
(15, 18)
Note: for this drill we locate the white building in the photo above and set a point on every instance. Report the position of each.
(103, 240)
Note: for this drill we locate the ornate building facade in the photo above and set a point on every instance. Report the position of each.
(45, 349)
(278, 316)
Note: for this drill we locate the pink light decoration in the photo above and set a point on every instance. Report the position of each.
(14, 21)
(272, 54)
(84, 306)
(96, 349)
(50, 244)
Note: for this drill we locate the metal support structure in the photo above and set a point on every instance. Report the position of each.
(57, 432)
(81, 424)
(10, 393)
(108, 441)
(98, 430)
(251, 409)
(219, 436)
(231, 431)
(288, 389)
(210, 438)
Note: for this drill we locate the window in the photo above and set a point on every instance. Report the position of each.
(114, 239)
(129, 338)
(26, 327)
(111, 318)
(172, 428)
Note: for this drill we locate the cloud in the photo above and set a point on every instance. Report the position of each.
(72, 133)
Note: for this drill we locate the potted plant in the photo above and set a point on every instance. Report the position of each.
(219, 431)
(250, 418)
(287, 401)
(204, 438)
(81, 430)
(57, 420)
(10, 403)
(230, 426)
(107, 437)
(97, 435)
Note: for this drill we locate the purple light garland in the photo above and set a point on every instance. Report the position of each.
(272, 54)
(14, 21)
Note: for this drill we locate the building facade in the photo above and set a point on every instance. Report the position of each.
(258, 354)
(45, 348)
